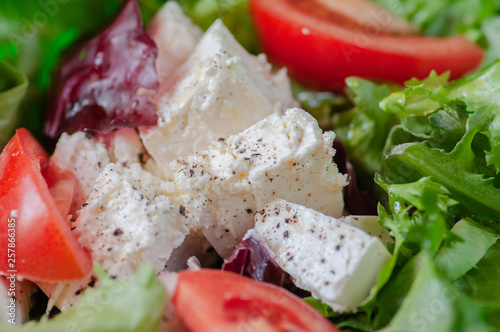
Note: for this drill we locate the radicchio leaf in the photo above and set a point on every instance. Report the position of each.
(250, 258)
(102, 86)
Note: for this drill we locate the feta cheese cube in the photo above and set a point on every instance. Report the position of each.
(338, 263)
(219, 91)
(124, 223)
(127, 221)
(283, 156)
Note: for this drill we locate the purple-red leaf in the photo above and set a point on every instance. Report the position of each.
(105, 84)
(251, 259)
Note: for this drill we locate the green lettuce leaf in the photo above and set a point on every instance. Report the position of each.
(394, 292)
(490, 28)
(346, 321)
(445, 17)
(440, 168)
(420, 96)
(439, 163)
(433, 304)
(323, 308)
(431, 110)
(364, 129)
(456, 258)
(399, 226)
(482, 284)
(420, 210)
(13, 86)
(320, 104)
(353, 323)
(418, 221)
(234, 14)
(447, 125)
(493, 135)
(459, 171)
(478, 89)
(402, 301)
(427, 112)
(423, 98)
(452, 132)
(135, 304)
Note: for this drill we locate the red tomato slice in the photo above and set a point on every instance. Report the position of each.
(62, 185)
(321, 46)
(44, 248)
(219, 301)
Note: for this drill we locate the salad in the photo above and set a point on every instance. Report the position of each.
(181, 182)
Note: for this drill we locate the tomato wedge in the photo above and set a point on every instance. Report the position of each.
(62, 185)
(213, 300)
(321, 46)
(31, 224)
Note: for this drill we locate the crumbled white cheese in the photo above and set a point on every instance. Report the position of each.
(338, 263)
(85, 157)
(126, 222)
(219, 91)
(175, 35)
(283, 156)
(125, 147)
(370, 225)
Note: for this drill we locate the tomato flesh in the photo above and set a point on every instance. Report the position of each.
(321, 50)
(44, 247)
(62, 185)
(214, 300)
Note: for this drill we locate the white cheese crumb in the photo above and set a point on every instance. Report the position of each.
(219, 91)
(338, 263)
(85, 157)
(283, 156)
(124, 224)
(370, 225)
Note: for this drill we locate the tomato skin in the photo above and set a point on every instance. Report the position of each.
(213, 300)
(45, 248)
(322, 54)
